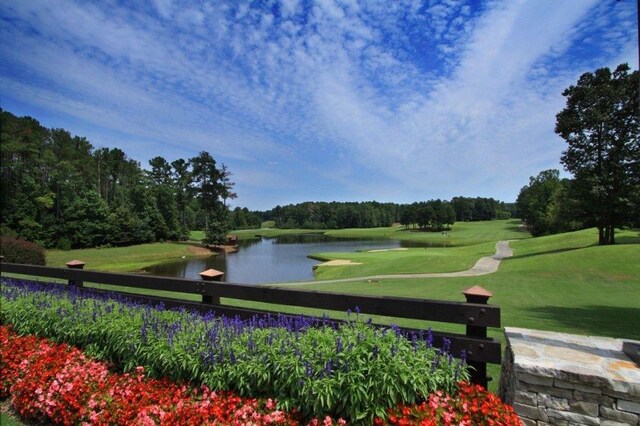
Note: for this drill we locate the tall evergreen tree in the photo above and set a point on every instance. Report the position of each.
(57, 190)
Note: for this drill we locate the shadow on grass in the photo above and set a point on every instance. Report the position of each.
(555, 251)
(432, 231)
(594, 320)
(517, 228)
(628, 239)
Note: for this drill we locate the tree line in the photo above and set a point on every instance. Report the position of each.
(427, 215)
(600, 124)
(60, 191)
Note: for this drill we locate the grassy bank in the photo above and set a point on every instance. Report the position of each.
(126, 259)
(561, 283)
(136, 258)
(412, 260)
(461, 234)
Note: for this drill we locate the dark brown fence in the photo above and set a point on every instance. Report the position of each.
(475, 313)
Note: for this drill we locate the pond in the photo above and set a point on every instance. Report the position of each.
(267, 260)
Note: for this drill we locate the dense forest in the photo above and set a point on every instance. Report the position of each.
(431, 215)
(60, 191)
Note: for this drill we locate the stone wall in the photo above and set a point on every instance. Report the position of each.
(564, 379)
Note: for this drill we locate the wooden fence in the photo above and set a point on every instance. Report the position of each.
(475, 313)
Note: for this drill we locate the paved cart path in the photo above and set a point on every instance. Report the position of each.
(484, 265)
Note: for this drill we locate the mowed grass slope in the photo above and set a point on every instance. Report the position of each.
(413, 260)
(562, 282)
(125, 259)
(461, 234)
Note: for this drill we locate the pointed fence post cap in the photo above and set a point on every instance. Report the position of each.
(76, 264)
(477, 294)
(210, 274)
(476, 290)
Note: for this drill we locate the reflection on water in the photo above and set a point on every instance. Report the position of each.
(266, 260)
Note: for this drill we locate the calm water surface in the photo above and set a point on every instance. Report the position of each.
(267, 260)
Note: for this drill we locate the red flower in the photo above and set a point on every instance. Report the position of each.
(54, 381)
(472, 405)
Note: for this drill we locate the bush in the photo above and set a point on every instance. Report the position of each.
(21, 251)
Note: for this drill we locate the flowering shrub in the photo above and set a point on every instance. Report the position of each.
(472, 405)
(57, 382)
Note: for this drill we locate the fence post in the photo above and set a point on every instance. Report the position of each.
(76, 264)
(477, 294)
(210, 275)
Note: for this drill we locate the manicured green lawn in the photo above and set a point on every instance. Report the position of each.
(461, 234)
(196, 235)
(561, 283)
(249, 234)
(123, 259)
(413, 260)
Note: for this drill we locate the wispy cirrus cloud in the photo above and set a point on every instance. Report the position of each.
(318, 99)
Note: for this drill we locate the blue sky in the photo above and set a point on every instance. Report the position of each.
(321, 100)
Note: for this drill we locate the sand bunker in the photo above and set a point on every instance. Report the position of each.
(393, 249)
(339, 262)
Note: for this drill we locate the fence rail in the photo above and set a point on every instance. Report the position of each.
(475, 312)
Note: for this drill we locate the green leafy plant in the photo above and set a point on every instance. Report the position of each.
(352, 370)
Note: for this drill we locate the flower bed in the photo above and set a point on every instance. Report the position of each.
(311, 366)
(471, 405)
(52, 381)
(55, 381)
(352, 370)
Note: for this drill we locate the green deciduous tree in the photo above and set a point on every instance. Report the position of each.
(534, 200)
(601, 127)
(87, 221)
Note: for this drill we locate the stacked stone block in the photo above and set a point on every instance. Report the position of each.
(562, 379)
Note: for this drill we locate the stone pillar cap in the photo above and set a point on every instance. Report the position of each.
(75, 263)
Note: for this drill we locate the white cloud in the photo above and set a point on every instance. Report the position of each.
(484, 118)
(426, 97)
